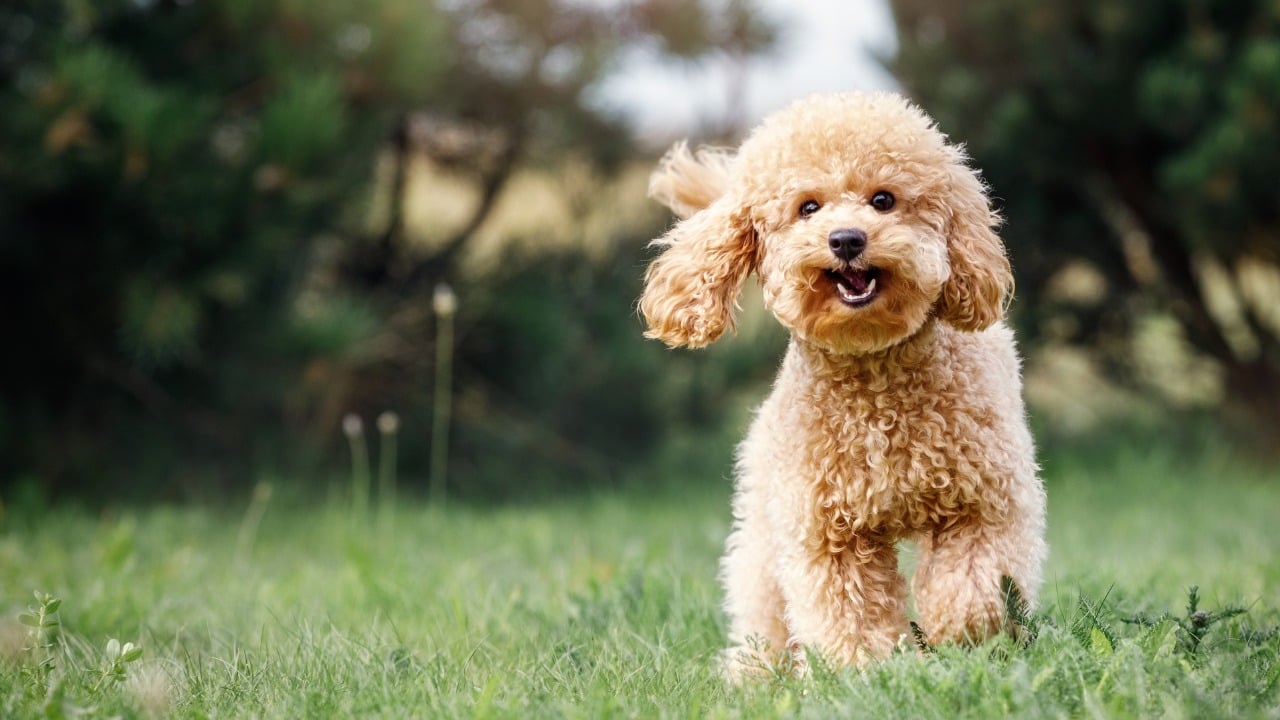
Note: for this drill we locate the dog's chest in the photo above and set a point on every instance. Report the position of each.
(897, 459)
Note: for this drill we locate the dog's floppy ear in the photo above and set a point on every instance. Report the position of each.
(691, 289)
(981, 281)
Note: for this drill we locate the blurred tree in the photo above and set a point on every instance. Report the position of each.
(517, 95)
(1137, 139)
(517, 91)
(166, 167)
(740, 31)
(176, 175)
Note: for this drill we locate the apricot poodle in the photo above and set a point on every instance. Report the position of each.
(897, 413)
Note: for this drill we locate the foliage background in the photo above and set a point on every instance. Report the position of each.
(222, 223)
(1134, 145)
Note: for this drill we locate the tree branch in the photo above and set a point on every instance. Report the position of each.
(494, 179)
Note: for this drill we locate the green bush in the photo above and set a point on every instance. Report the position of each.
(168, 168)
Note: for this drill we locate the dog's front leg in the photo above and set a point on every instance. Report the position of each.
(752, 599)
(958, 579)
(847, 603)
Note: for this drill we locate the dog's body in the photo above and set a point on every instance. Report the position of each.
(897, 413)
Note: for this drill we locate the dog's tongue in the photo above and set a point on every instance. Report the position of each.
(856, 280)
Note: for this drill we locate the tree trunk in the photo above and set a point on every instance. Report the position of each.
(1254, 392)
(1251, 385)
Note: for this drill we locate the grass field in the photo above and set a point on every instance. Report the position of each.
(607, 606)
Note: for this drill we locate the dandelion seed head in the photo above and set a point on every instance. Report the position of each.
(151, 689)
(388, 422)
(352, 425)
(443, 301)
(13, 640)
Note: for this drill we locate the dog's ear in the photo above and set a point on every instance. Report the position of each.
(691, 289)
(981, 281)
(688, 181)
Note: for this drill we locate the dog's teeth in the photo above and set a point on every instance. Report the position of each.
(848, 295)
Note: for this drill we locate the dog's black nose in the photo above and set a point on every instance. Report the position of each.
(847, 243)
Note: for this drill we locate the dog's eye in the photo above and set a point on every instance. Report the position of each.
(882, 201)
(809, 207)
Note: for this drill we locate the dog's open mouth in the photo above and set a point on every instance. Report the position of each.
(855, 287)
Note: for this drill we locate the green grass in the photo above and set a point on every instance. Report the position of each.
(608, 606)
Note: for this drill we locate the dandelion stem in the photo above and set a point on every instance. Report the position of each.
(445, 305)
(252, 519)
(388, 426)
(353, 428)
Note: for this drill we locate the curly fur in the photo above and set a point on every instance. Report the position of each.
(898, 419)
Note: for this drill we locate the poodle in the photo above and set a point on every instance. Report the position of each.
(897, 412)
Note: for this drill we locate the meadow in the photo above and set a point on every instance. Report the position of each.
(605, 604)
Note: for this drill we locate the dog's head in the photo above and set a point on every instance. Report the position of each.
(859, 218)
